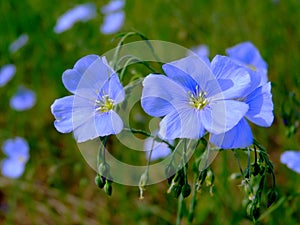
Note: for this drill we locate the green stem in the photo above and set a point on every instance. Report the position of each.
(193, 202)
(179, 209)
(137, 131)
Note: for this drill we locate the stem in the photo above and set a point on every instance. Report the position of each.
(179, 209)
(145, 133)
(193, 202)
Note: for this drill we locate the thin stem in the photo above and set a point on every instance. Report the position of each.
(193, 202)
(137, 131)
(179, 210)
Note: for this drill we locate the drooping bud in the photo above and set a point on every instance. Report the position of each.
(186, 190)
(108, 187)
(100, 181)
(143, 182)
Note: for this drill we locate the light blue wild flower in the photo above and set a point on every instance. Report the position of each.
(82, 12)
(257, 96)
(17, 155)
(23, 99)
(7, 72)
(159, 149)
(291, 159)
(89, 112)
(18, 43)
(114, 17)
(194, 98)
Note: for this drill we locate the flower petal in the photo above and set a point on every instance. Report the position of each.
(240, 136)
(62, 110)
(220, 116)
(224, 68)
(6, 73)
(24, 99)
(291, 159)
(261, 106)
(87, 76)
(160, 149)
(183, 123)
(99, 125)
(159, 95)
(16, 147)
(248, 55)
(113, 22)
(193, 66)
(114, 89)
(12, 168)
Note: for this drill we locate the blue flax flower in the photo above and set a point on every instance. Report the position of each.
(257, 96)
(23, 99)
(18, 43)
(114, 17)
(194, 98)
(17, 152)
(83, 12)
(159, 149)
(291, 159)
(6, 73)
(90, 111)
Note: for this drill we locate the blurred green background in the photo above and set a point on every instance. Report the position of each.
(58, 185)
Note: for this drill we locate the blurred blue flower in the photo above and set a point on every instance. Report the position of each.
(257, 96)
(83, 12)
(23, 99)
(291, 159)
(113, 6)
(19, 43)
(90, 111)
(195, 98)
(114, 17)
(159, 149)
(17, 152)
(6, 73)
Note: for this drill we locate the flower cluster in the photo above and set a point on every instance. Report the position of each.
(195, 97)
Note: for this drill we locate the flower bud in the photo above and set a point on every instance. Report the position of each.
(100, 181)
(272, 197)
(108, 187)
(186, 190)
(176, 190)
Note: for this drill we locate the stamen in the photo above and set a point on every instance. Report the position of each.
(105, 104)
(198, 100)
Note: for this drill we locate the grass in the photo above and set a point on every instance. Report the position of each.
(58, 185)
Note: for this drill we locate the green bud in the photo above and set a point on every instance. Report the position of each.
(272, 197)
(202, 176)
(255, 168)
(176, 190)
(108, 187)
(210, 178)
(100, 181)
(186, 190)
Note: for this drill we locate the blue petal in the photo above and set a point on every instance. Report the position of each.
(113, 22)
(240, 136)
(15, 148)
(83, 12)
(12, 168)
(248, 55)
(62, 110)
(18, 43)
(113, 6)
(160, 149)
(194, 67)
(184, 123)
(114, 89)
(220, 116)
(98, 125)
(6, 73)
(160, 94)
(224, 68)
(24, 99)
(291, 159)
(261, 106)
(87, 76)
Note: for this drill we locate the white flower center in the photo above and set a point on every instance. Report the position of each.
(198, 100)
(105, 104)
